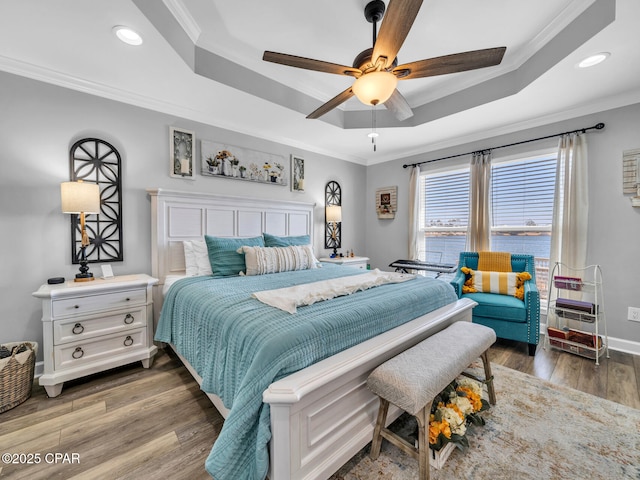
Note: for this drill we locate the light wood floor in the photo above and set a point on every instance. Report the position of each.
(142, 424)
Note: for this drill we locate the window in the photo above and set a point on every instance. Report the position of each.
(445, 215)
(522, 194)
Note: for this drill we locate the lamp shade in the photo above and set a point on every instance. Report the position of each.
(333, 213)
(375, 88)
(80, 197)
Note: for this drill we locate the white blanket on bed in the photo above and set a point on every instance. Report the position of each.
(289, 298)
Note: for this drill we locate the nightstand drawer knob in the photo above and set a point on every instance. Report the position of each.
(129, 319)
(77, 329)
(127, 299)
(128, 341)
(76, 306)
(77, 353)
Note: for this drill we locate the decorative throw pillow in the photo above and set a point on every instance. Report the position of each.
(223, 256)
(196, 258)
(494, 262)
(504, 283)
(276, 241)
(262, 260)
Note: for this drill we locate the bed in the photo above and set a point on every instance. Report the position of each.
(314, 413)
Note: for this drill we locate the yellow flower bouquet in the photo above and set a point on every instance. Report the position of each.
(457, 406)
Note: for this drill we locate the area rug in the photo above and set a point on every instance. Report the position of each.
(536, 430)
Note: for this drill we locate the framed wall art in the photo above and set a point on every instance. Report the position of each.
(181, 153)
(297, 174)
(237, 163)
(386, 202)
(97, 161)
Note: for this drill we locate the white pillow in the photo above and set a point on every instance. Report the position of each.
(262, 260)
(196, 258)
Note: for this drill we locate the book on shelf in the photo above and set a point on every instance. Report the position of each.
(558, 333)
(578, 305)
(588, 339)
(568, 283)
(585, 338)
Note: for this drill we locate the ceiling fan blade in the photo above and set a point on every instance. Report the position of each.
(310, 64)
(395, 27)
(458, 62)
(331, 104)
(398, 105)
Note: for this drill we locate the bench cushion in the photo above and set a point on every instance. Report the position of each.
(413, 378)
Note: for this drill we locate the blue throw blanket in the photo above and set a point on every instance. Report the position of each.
(239, 346)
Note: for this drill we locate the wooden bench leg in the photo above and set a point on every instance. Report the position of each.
(377, 437)
(422, 418)
(488, 377)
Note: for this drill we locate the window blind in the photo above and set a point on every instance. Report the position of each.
(522, 194)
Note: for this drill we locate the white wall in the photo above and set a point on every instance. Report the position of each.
(614, 226)
(38, 125)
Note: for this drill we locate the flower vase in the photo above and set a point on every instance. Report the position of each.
(437, 458)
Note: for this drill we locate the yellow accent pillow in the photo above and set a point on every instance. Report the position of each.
(494, 261)
(503, 283)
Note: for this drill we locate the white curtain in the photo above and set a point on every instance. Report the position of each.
(571, 203)
(414, 214)
(479, 230)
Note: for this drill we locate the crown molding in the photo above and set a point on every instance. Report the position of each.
(53, 77)
(610, 103)
(184, 18)
(24, 69)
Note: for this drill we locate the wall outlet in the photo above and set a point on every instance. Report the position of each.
(634, 314)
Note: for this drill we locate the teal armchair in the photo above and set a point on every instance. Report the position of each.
(510, 317)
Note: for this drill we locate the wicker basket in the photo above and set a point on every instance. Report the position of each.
(16, 375)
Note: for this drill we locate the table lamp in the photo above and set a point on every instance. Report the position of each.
(81, 198)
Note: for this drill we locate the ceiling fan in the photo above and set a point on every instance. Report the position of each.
(376, 69)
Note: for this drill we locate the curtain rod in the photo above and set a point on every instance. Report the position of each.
(598, 126)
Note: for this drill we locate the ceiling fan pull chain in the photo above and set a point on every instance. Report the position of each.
(373, 135)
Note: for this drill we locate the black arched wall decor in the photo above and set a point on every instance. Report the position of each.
(96, 161)
(332, 196)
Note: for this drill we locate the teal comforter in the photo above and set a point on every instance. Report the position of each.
(239, 345)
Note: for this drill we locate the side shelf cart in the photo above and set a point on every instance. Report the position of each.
(576, 320)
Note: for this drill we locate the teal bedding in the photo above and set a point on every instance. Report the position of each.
(239, 346)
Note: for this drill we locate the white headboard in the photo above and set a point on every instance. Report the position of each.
(178, 216)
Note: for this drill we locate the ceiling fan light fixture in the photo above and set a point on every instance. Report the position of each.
(375, 88)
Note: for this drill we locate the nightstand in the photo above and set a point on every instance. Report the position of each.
(358, 262)
(93, 326)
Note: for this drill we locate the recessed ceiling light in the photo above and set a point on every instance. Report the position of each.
(127, 35)
(594, 60)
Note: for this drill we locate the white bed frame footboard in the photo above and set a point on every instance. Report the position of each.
(322, 415)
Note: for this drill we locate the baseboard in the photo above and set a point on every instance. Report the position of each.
(39, 370)
(617, 344)
(626, 346)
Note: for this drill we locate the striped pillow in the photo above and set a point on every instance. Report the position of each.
(503, 283)
(262, 260)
